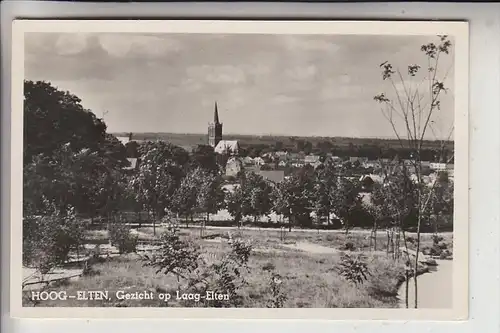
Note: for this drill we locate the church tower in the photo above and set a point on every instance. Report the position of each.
(215, 129)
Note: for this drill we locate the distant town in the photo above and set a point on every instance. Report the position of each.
(275, 158)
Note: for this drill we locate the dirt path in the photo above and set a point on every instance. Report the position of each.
(310, 248)
(435, 289)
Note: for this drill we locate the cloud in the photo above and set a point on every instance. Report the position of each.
(70, 44)
(299, 43)
(302, 72)
(217, 74)
(118, 45)
(284, 99)
(292, 84)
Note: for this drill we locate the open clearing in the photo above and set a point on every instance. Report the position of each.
(306, 260)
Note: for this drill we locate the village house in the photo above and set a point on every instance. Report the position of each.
(425, 164)
(274, 176)
(438, 166)
(311, 159)
(282, 154)
(124, 139)
(134, 164)
(372, 164)
(282, 164)
(227, 146)
(233, 167)
(298, 164)
(259, 161)
(248, 160)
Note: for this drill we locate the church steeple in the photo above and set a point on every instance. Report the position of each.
(215, 129)
(216, 114)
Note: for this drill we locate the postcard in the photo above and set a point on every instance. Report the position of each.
(239, 169)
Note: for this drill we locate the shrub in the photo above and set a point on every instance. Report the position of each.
(354, 269)
(411, 240)
(119, 235)
(278, 297)
(436, 239)
(348, 246)
(196, 274)
(48, 239)
(268, 266)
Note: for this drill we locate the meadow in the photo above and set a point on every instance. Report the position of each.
(306, 261)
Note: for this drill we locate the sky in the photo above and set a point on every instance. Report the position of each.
(294, 85)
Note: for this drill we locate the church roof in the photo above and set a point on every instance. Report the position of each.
(225, 145)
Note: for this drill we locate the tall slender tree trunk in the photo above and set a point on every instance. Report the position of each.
(154, 222)
(407, 282)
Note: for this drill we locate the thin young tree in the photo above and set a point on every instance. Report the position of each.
(158, 177)
(210, 198)
(415, 103)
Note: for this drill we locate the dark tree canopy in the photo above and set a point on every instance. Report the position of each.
(53, 118)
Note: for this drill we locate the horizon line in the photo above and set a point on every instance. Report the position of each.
(282, 135)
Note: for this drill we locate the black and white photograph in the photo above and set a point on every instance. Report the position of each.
(266, 165)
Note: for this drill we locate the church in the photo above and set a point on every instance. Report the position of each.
(215, 137)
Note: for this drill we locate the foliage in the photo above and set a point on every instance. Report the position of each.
(211, 197)
(49, 238)
(325, 187)
(158, 177)
(292, 198)
(69, 159)
(258, 191)
(203, 156)
(176, 256)
(53, 118)
(185, 198)
(416, 108)
(346, 201)
(197, 274)
(236, 201)
(120, 236)
(354, 269)
(278, 297)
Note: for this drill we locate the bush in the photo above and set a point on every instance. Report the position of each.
(348, 246)
(436, 239)
(48, 239)
(354, 269)
(119, 235)
(196, 274)
(278, 297)
(411, 240)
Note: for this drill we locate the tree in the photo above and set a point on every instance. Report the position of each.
(203, 156)
(68, 157)
(293, 198)
(345, 201)
(65, 178)
(53, 118)
(325, 186)
(158, 177)
(236, 204)
(48, 238)
(185, 198)
(416, 108)
(259, 192)
(441, 201)
(211, 196)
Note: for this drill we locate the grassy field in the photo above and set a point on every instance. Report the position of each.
(309, 279)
